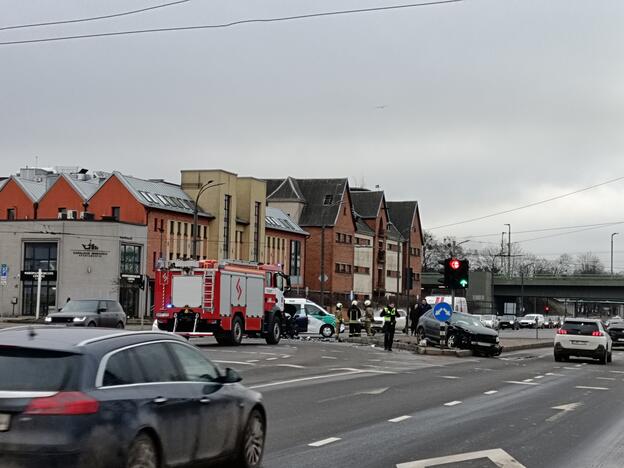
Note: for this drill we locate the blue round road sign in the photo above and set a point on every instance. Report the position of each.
(442, 311)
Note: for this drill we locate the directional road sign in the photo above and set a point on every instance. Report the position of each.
(442, 311)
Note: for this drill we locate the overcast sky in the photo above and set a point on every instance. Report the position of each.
(470, 108)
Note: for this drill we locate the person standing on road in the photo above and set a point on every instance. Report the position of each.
(389, 315)
(339, 320)
(369, 316)
(354, 319)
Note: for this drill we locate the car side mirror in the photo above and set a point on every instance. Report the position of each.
(230, 376)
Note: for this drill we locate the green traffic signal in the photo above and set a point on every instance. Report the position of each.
(463, 283)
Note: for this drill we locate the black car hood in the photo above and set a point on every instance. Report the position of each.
(476, 330)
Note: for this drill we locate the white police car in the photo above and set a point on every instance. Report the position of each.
(310, 317)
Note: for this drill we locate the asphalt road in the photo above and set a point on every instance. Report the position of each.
(332, 404)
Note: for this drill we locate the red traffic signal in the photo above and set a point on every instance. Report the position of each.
(454, 264)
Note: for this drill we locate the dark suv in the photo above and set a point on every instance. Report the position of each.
(102, 398)
(90, 313)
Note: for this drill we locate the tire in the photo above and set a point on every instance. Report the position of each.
(120, 325)
(91, 324)
(235, 335)
(558, 357)
(609, 357)
(221, 339)
(451, 341)
(327, 331)
(251, 447)
(604, 358)
(143, 453)
(420, 334)
(274, 332)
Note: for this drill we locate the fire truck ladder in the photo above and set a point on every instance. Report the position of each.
(209, 276)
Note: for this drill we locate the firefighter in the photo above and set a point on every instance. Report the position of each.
(369, 316)
(339, 320)
(389, 315)
(354, 319)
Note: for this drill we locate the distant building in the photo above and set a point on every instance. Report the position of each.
(285, 244)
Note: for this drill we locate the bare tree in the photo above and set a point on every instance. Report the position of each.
(589, 264)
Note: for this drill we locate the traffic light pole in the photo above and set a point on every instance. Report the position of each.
(453, 299)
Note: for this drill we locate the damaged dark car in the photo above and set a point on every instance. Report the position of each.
(464, 331)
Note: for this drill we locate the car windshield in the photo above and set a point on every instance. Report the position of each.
(580, 328)
(463, 319)
(81, 306)
(508, 317)
(529, 317)
(24, 369)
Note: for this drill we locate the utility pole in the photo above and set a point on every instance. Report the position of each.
(508, 249)
(612, 236)
(322, 276)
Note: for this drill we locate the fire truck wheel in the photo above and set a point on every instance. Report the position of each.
(274, 333)
(236, 334)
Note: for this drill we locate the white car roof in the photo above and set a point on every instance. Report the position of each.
(580, 319)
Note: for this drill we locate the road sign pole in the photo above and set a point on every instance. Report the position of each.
(453, 298)
(442, 335)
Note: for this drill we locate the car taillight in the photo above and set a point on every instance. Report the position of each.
(64, 403)
(597, 333)
(561, 331)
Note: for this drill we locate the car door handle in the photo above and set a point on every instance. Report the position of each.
(159, 400)
(205, 400)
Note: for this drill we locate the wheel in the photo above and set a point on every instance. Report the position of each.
(274, 334)
(91, 324)
(327, 331)
(221, 338)
(558, 357)
(609, 357)
(251, 448)
(236, 333)
(142, 453)
(604, 358)
(120, 325)
(451, 341)
(420, 334)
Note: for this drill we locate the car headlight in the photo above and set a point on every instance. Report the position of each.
(80, 319)
(47, 319)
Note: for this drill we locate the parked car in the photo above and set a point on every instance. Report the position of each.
(532, 321)
(616, 332)
(89, 313)
(461, 305)
(102, 398)
(378, 321)
(584, 338)
(490, 321)
(552, 321)
(508, 321)
(464, 331)
(310, 317)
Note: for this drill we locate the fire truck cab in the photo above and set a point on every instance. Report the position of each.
(225, 299)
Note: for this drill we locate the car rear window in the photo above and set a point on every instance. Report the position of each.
(25, 369)
(580, 328)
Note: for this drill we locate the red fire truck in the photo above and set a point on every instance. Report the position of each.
(225, 299)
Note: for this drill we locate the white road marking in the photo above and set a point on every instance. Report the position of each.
(572, 368)
(272, 359)
(539, 377)
(253, 360)
(236, 362)
(520, 383)
(498, 456)
(617, 372)
(582, 387)
(294, 366)
(605, 378)
(320, 443)
(555, 375)
(370, 371)
(399, 419)
(328, 357)
(563, 410)
(528, 380)
(451, 377)
(305, 379)
(490, 392)
(452, 403)
(374, 391)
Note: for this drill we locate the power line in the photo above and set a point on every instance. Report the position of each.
(93, 18)
(530, 205)
(560, 228)
(563, 233)
(233, 23)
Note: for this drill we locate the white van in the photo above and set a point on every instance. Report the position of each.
(460, 302)
(310, 317)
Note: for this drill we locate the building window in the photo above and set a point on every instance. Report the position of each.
(328, 200)
(226, 225)
(343, 268)
(171, 227)
(295, 258)
(185, 229)
(415, 252)
(10, 214)
(361, 270)
(130, 259)
(130, 264)
(116, 213)
(256, 236)
(39, 255)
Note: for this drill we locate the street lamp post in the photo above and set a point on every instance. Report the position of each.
(201, 190)
(612, 236)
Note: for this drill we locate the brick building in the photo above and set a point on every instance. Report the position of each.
(324, 209)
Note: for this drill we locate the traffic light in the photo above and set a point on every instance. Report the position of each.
(456, 273)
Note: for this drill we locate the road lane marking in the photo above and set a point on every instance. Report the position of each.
(374, 391)
(563, 409)
(582, 387)
(253, 360)
(571, 368)
(555, 375)
(605, 378)
(305, 379)
(450, 377)
(236, 362)
(490, 392)
(272, 359)
(528, 380)
(520, 383)
(399, 419)
(497, 456)
(617, 372)
(370, 371)
(294, 366)
(329, 357)
(452, 403)
(320, 443)
(539, 377)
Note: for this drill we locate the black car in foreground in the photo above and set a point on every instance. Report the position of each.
(463, 331)
(86, 397)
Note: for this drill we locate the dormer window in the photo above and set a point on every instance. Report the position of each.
(328, 200)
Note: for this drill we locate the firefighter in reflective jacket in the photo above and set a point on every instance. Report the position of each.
(355, 328)
(369, 316)
(389, 315)
(339, 320)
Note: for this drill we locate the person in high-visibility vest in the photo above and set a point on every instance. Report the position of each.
(339, 320)
(389, 315)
